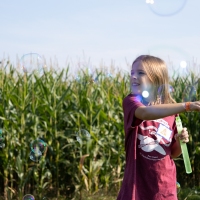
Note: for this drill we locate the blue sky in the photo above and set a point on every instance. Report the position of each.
(101, 32)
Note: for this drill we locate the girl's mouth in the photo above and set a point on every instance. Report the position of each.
(135, 84)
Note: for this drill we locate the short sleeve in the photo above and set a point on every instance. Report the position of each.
(130, 104)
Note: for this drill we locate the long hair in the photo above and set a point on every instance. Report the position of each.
(157, 72)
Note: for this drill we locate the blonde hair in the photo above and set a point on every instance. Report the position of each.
(157, 72)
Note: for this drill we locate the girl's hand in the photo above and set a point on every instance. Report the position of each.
(194, 106)
(184, 136)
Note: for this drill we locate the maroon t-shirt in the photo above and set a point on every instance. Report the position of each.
(150, 172)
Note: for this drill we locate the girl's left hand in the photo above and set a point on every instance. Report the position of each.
(184, 136)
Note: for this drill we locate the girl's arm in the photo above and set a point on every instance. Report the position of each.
(164, 110)
(176, 150)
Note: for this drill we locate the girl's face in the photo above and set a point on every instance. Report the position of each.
(140, 82)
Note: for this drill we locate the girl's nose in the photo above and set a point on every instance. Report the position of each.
(133, 76)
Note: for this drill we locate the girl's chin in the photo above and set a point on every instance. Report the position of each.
(140, 97)
(136, 91)
(136, 94)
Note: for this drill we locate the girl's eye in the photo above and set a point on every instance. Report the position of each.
(141, 73)
(132, 73)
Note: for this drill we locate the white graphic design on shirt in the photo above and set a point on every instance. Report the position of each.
(148, 144)
(155, 139)
(161, 121)
(164, 132)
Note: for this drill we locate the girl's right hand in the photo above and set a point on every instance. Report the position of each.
(194, 106)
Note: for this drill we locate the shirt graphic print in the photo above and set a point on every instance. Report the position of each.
(153, 138)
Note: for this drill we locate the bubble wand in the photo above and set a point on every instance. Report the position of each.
(183, 147)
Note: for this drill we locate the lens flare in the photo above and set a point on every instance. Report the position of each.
(183, 64)
(145, 94)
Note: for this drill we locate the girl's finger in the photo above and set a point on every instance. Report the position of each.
(184, 129)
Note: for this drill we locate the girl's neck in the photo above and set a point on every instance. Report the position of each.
(146, 101)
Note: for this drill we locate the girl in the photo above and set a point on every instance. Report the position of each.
(151, 139)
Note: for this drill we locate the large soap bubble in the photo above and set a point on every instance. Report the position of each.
(166, 7)
(32, 63)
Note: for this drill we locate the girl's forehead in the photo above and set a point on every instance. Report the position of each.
(137, 66)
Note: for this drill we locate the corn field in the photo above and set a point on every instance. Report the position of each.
(80, 121)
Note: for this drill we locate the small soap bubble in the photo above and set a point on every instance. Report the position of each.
(99, 75)
(83, 136)
(171, 89)
(32, 63)
(28, 197)
(162, 87)
(166, 7)
(77, 78)
(145, 94)
(189, 93)
(82, 72)
(178, 187)
(35, 156)
(2, 145)
(38, 145)
(45, 198)
(37, 148)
